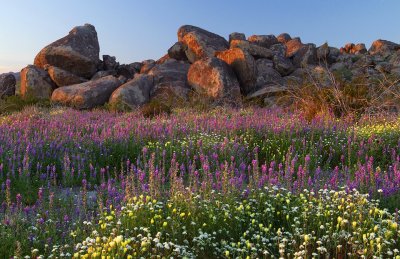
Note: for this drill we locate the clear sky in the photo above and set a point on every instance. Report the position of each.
(136, 30)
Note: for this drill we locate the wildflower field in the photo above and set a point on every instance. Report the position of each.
(250, 183)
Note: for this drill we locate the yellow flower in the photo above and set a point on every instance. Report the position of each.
(306, 238)
(165, 224)
(394, 225)
(118, 239)
(227, 253)
(182, 214)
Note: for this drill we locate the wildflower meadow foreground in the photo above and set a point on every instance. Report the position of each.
(249, 183)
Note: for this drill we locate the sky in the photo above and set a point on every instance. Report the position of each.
(135, 30)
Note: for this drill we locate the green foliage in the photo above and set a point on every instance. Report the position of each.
(17, 103)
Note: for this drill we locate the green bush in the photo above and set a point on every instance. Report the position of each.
(17, 103)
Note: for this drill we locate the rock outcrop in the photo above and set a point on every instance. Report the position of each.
(7, 85)
(200, 62)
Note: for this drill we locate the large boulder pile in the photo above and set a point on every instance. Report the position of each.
(69, 71)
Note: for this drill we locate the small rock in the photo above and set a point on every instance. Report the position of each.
(109, 62)
(236, 36)
(283, 65)
(265, 41)
(178, 51)
(283, 38)
(292, 46)
(254, 50)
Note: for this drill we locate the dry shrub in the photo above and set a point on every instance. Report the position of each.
(333, 94)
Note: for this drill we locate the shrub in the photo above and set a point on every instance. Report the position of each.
(17, 103)
(342, 95)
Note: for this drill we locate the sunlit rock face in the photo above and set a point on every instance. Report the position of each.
(200, 43)
(215, 79)
(244, 66)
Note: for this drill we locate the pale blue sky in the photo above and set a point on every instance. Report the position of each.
(137, 30)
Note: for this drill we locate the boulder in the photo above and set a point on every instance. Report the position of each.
(244, 66)
(36, 82)
(264, 64)
(78, 52)
(7, 85)
(283, 65)
(200, 43)
(347, 48)
(266, 74)
(214, 79)
(109, 62)
(170, 77)
(236, 36)
(101, 74)
(359, 49)
(63, 78)
(147, 65)
(326, 54)
(128, 71)
(170, 72)
(136, 66)
(267, 90)
(178, 51)
(86, 95)
(254, 50)
(351, 48)
(278, 49)
(265, 41)
(134, 93)
(383, 47)
(283, 38)
(292, 46)
(306, 55)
